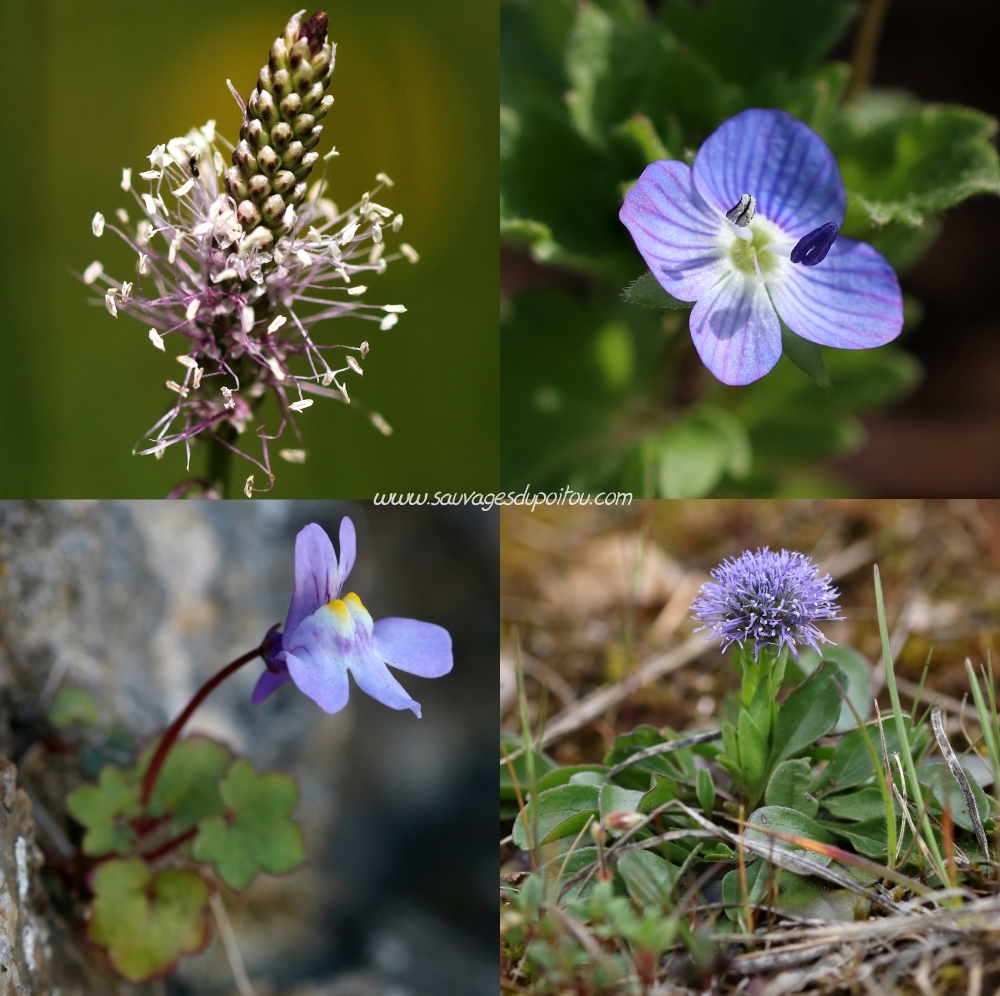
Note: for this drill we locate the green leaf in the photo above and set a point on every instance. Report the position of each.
(937, 776)
(255, 833)
(855, 668)
(561, 812)
(788, 821)
(695, 453)
(753, 749)
(582, 857)
(510, 742)
(705, 790)
(563, 776)
(788, 786)
(615, 799)
(73, 707)
(147, 923)
(806, 355)
(649, 878)
(869, 837)
(188, 783)
(646, 292)
(643, 133)
(662, 789)
(903, 162)
(851, 764)
(759, 876)
(586, 61)
(106, 810)
(809, 713)
(747, 39)
(865, 804)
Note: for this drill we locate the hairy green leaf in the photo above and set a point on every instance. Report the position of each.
(561, 812)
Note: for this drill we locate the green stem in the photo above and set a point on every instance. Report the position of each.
(865, 44)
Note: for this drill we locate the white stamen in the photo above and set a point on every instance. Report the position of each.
(208, 130)
(357, 291)
(376, 254)
(327, 379)
(157, 340)
(394, 309)
(92, 272)
(143, 262)
(343, 391)
(381, 424)
(301, 406)
(288, 218)
(224, 275)
(397, 223)
(277, 323)
(149, 203)
(127, 178)
(174, 386)
(248, 487)
(151, 174)
(276, 368)
(363, 349)
(175, 244)
(247, 318)
(122, 215)
(126, 291)
(109, 302)
(184, 187)
(355, 366)
(333, 152)
(756, 266)
(219, 163)
(388, 322)
(192, 309)
(376, 233)
(303, 257)
(293, 456)
(188, 361)
(228, 398)
(196, 381)
(159, 453)
(348, 233)
(382, 178)
(409, 252)
(143, 232)
(97, 224)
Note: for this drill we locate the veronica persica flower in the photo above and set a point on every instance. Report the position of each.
(326, 636)
(750, 234)
(767, 599)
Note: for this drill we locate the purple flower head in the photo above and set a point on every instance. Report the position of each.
(750, 235)
(768, 599)
(325, 636)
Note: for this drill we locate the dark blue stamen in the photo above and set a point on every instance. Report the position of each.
(812, 248)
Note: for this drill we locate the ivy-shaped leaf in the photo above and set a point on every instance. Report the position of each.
(188, 784)
(255, 833)
(147, 923)
(106, 810)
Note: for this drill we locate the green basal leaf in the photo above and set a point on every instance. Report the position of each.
(759, 876)
(646, 292)
(188, 783)
(106, 810)
(855, 668)
(753, 750)
(937, 777)
(661, 790)
(563, 776)
(809, 713)
(73, 707)
(908, 161)
(615, 799)
(510, 742)
(864, 804)
(649, 878)
(705, 791)
(255, 833)
(788, 786)
(561, 812)
(147, 923)
(789, 821)
(696, 452)
(868, 837)
(640, 130)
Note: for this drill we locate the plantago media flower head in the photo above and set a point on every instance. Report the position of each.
(750, 234)
(767, 599)
(326, 636)
(225, 257)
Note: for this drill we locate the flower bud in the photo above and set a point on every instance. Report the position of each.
(290, 106)
(255, 134)
(272, 209)
(324, 106)
(258, 188)
(292, 156)
(268, 161)
(267, 109)
(281, 135)
(283, 181)
(303, 124)
(282, 83)
(235, 184)
(312, 97)
(248, 214)
(312, 140)
(623, 821)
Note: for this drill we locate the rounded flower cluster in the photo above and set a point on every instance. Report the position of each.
(766, 599)
(237, 265)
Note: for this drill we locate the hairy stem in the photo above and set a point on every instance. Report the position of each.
(865, 45)
(153, 771)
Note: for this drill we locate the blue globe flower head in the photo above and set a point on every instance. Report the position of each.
(767, 599)
(750, 235)
(326, 636)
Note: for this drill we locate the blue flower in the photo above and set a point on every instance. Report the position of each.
(750, 235)
(768, 599)
(325, 636)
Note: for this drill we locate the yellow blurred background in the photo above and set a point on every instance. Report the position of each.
(93, 87)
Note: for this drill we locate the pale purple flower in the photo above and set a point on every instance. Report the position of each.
(326, 636)
(750, 235)
(766, 599)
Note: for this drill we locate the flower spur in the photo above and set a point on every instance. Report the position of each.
(750, 234)
(326, 636)
(242, 249)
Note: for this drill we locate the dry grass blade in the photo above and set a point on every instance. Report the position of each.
(690, 741)
(948, 753)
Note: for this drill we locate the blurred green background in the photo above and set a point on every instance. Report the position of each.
(95, 86)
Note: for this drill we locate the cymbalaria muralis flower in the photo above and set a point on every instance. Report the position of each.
(767, 599)
(325, 636)
(225, 257)
(750, 235)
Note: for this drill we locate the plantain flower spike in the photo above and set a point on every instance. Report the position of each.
(225, 256)
(275, 153)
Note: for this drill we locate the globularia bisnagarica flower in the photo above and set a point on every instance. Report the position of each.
(225, 256)
(767, 599)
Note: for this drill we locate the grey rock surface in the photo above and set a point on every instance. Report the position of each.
(141, 602)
